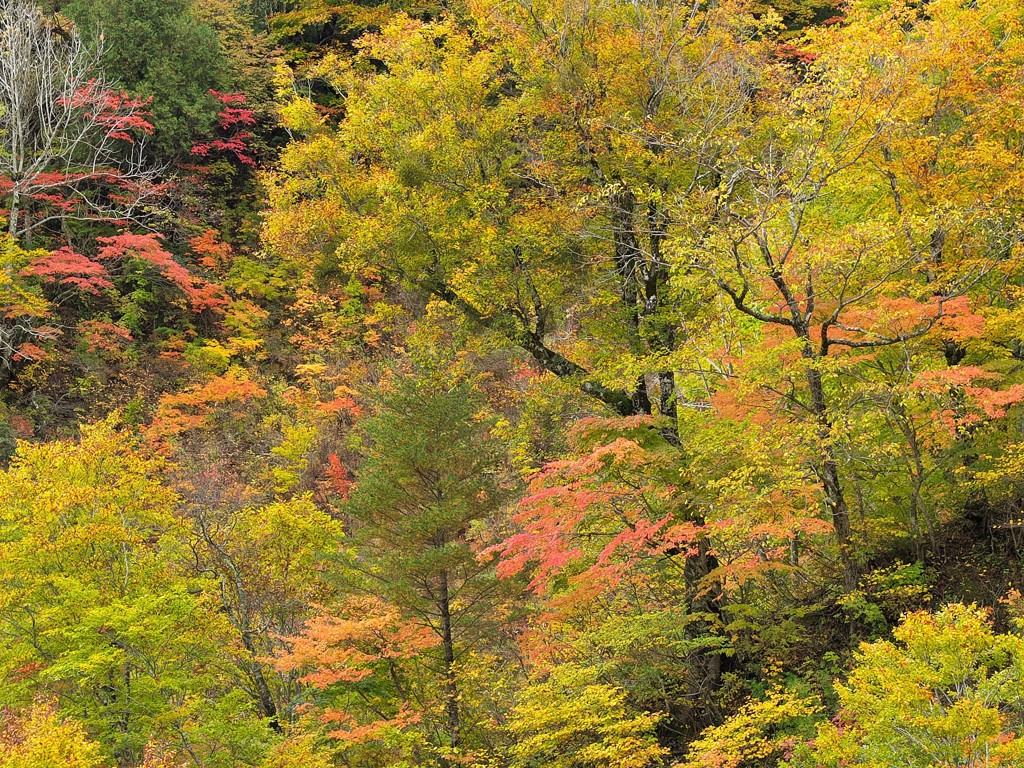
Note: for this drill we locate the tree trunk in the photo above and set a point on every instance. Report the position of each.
(264, 698)
(15, 213)
(828, 473)
(918, 473)
(239, 617)
(705, 598)
(448, 646)
(667, 407)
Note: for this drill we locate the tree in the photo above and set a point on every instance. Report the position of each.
(429, 477)
(812, 232)
(362, 657)
(95, 611)
(268, 564)
(616, 545)
(944, 692)
(570, 720)
(760, 733)
(73, 145)
(160, 51)
(486, 172)
(39, 738)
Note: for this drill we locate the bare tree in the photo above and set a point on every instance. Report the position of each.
(71, 144)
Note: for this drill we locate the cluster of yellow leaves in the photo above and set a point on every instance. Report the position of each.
(944, 692)
(756, 735)
(40, 738)
(571, 720)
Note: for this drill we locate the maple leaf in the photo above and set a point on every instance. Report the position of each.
(199, 294)
(67, 267)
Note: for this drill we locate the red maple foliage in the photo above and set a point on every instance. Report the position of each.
(88, 175)
(338, 476)
(232, 121)
(100, 336)
(199, 294)
(609, 507)
(121, 115)
(67, 267)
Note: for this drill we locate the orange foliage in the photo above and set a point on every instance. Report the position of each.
(212, 253)
(195, 408)
(344, 648)
(338, 476)
(959, 322)
(350, 647)
(967, 402)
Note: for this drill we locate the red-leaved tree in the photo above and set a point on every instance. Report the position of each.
(71, 144)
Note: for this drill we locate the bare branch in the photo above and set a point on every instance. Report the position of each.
(69, 140)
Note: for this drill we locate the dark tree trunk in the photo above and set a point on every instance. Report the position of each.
(828, 473)
(264, 698)
(448, 647)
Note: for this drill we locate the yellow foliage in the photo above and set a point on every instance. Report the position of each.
(569, 720)
(944, 692)
(40, 738)
(756, 735)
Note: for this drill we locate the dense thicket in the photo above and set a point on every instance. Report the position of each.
(573, 383)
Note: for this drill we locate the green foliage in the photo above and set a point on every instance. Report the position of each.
(430, 465)
(159, 50)
(886, 594)
(95, 611)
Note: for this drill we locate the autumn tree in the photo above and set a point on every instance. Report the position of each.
(571, 720)
(39, 737)
(511, 196)
(760, 733)
(268, 564)
(616, 544)
(944, 692)
(73, 142)
(360, 662)
(812, 234)
(96, 613)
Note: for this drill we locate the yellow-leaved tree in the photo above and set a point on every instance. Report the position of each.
(945, 691)
(40, 738)
(570, 719)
